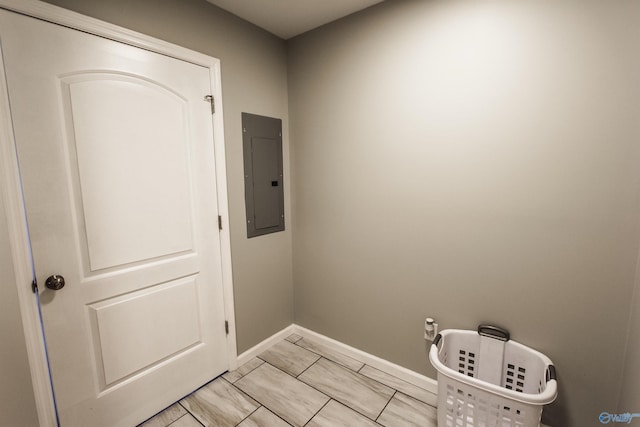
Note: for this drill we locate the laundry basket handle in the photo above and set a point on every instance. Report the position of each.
(437, 339)
(494, 332)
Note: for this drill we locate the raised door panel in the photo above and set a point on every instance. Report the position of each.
(130, 139)
(137, 331)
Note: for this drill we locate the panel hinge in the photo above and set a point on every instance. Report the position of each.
(212, 101)
(34, 286)
(219, 223)
(226, 326)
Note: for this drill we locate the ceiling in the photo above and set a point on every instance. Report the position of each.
(288, 18)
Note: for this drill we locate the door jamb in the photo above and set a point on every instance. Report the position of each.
(11, 189)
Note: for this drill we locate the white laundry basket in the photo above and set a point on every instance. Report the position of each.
(487, 380)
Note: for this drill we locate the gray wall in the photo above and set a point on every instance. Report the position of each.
(630, 393)
(254, 80)
(17, 402)
(473, 161)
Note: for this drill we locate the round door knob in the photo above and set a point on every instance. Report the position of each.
(54, 282)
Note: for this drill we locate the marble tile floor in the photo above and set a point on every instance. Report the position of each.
(298, 382)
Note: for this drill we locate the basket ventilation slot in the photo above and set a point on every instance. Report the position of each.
(515, 378)
(467, 363)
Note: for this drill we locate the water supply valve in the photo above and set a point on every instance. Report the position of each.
(430, 329)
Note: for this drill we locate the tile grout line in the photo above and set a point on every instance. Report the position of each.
(385, 406)
(421, 401)
(307, 368)
(261, 406)
(296, 378)
(314, 415)
(241, 391)
(242, 376)
(283, 420)
(252, 412)
(218, 378)
(368, 378)
(323, 393)
(265, 406)
(328, 358)
(296, 341)
(343, 403)
(177, 402)
(314, 352)
(188, 411)
(401, 380)
(191, 415)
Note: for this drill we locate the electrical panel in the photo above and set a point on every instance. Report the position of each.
(264, 195)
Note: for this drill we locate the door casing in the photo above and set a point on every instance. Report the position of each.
(10, 186)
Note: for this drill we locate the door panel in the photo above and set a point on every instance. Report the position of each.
(123, 211)
(160, 321)
(115, 146)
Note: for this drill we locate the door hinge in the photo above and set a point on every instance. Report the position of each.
(226, 326)
(219, 223)
(212, 101)
(34, 286)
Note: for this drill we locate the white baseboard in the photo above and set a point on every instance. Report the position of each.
(359, 355)
(262, 346)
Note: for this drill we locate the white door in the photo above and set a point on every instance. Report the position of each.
(115, 146)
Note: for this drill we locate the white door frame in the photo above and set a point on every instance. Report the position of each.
(11, 189)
